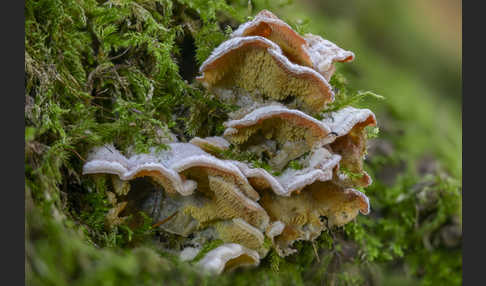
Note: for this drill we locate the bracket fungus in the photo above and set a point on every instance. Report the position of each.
(166, 167)
(198, 193)
(258, 65)
(228, 257)
(223, 191)
(324, 54)
(349, 124)
(267, 25)
(319, 206)
(282, 134)
(310, 50)
(318, 166)
(239, 231)
(212, 145)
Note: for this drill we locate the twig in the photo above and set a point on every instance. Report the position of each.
(117, 56)
(315, 251)
(164, 220)
(77, 154)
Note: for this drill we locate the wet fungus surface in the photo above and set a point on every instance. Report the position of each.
(309, 168)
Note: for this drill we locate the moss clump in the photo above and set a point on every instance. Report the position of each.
(345, 96)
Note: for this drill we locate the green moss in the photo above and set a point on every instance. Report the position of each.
(246, 156)
(275, 261)
(295, 165)
(345, 97)
(372, 132)
(349, 173)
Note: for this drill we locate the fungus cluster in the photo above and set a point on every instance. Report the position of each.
(280, 82)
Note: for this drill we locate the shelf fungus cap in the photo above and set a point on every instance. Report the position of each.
(324, 54)
(266, 24)
(228, 257)
(340, 205)
(342, 121)
(224, 201)
(310, 50)
(164, 167)
(255, 63)
(259, 115)
(212, 145)
(274, 229)
(294, 130)
(304, 216)
(108, 160)
(189, 253)
(319, 167)
(348, 205)
(349, 141)
(364, 201)
(239, 231)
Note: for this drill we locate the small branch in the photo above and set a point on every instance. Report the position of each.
(117, 56)
(164, 220)
(315, 251)
(77, 154)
